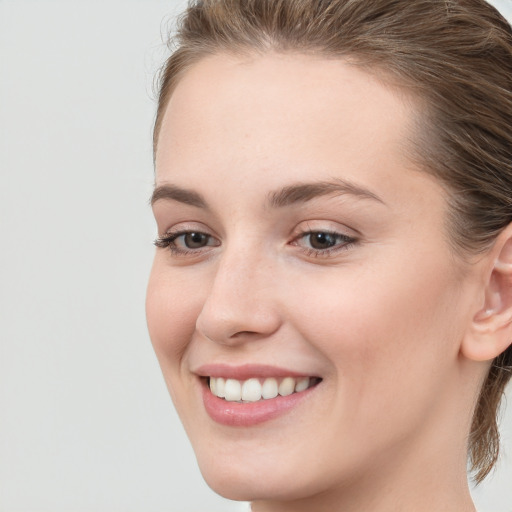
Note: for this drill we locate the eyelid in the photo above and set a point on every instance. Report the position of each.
(326, 225)
(186, 226)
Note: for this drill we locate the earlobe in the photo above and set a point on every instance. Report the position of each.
(490, 333)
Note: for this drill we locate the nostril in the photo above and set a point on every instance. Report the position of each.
(244, 333)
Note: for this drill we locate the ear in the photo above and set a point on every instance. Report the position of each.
(490, 332)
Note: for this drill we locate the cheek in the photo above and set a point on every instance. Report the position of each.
(171, 314)
(388, 335)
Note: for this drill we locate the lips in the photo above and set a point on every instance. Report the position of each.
(248, 395)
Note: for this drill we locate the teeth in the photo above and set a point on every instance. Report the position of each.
(253, 389)
(269, 389)
(302, 384)
(220, 387)
(287, 386)
(233, 390)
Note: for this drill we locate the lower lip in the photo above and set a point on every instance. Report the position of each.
(235, 414)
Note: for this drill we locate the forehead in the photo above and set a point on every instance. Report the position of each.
(278, 117)
(293, 96)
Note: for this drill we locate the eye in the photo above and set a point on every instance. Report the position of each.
(192, 240)
(320, 240)
(186, 242)
(323, 243)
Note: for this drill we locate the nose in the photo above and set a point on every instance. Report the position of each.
(242, 301)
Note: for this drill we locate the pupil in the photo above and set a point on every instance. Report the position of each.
(195, 240)
(322, 240)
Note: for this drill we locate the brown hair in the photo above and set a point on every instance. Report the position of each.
(454, 55)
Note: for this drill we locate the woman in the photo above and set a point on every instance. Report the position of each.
(331, 296)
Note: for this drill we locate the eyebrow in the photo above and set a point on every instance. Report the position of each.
(182, 195)
(303, 192)
(286, 196)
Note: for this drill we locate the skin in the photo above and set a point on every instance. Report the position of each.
(382, 320)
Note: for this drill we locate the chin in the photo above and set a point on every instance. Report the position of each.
(252, 475)
(235, 476)
(245, 487)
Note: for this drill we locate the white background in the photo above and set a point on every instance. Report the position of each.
(86, 424)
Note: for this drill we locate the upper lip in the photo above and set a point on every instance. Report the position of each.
(246, 371)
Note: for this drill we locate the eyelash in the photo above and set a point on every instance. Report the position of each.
(168, 242)
(343, 242)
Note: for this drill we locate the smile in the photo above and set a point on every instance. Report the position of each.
(249, 395)
(254, 389)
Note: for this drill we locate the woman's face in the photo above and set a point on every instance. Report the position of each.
(299, 242)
